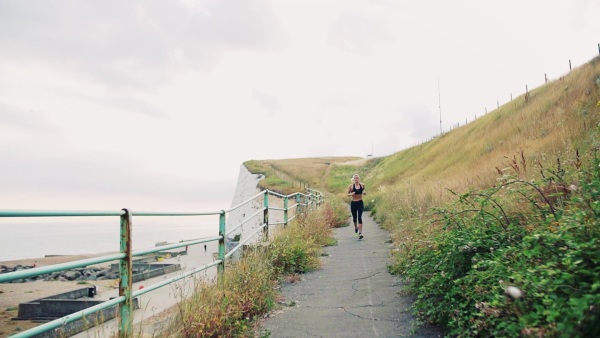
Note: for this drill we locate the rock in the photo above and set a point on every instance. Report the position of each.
(72, 275)
(112, 275)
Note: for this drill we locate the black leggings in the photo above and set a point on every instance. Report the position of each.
(357, 207)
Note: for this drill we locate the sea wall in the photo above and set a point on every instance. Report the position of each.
(246, 188)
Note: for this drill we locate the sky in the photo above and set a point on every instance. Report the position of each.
(155, 105)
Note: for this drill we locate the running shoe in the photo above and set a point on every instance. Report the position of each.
(360, 236)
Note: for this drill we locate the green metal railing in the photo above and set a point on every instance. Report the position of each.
(302, 203)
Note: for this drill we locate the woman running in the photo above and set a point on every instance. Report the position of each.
(357, 190)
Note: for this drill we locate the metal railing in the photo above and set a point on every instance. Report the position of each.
(302, 203)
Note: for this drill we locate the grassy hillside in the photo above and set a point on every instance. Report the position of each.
(292, 175)
(495, 191)
(555, 121)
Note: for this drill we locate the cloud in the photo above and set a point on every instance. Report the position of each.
(234, 24)
(270, 102)
(422, 123)
(25, 120)
(133, 44)
(355, 33)
(122, 102)
(335, 103)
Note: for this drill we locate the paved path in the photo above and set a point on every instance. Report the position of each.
(352, 295)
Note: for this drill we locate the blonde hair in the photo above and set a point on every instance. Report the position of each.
(353, 176)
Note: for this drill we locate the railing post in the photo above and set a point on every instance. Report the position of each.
(221, 266)
(298, 206)
(285, 211)
(266, 215)
(126, 281)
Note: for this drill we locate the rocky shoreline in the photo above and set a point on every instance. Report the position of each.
(80, 274)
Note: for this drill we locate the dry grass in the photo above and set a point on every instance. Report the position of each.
(557, 120)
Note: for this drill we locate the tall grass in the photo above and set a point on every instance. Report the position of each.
(557, 120)
(230, 307)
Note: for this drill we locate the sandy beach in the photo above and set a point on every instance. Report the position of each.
(13, 294)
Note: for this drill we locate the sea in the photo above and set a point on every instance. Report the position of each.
(32, 238)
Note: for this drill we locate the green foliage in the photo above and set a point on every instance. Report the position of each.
(271, 180)
(540, 239)
(291, 256)
(340, 177)
(296, 249)
(257, 167)
(336, 212)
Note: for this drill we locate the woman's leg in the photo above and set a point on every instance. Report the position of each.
(354, 211)
(359, 213)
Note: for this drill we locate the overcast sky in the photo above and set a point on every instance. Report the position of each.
(154, 105)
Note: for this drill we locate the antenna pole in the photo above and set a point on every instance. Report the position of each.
(440, 104)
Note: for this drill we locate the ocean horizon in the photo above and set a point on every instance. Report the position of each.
(28, 239)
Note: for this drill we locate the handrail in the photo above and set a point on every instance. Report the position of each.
(303, 203)
(245, 221)
(57, 213)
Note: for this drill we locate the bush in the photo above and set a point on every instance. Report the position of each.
(296, 249)
(546, 246)
(227, 308)
(336, 213)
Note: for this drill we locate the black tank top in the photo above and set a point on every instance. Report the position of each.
(358, 191)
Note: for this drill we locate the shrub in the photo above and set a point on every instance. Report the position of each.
(336, 212)
(296, 249)
(227, 308)
(513, 235)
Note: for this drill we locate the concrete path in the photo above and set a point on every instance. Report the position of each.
(352, 295)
